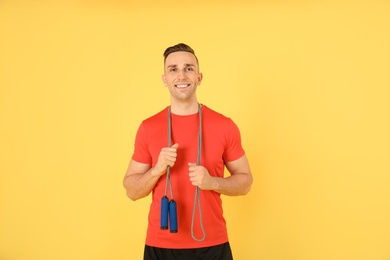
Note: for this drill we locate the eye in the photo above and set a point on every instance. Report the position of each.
(172, 69)
(189, 69)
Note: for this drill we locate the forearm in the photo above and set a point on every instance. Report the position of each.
(234, 185)
(140, 185)
(140, 178)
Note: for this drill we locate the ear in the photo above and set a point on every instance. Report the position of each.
(164, 79)
(200, 77)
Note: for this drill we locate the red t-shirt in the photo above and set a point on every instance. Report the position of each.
(221, 143)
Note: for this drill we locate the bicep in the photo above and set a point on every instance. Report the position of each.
(137, 168)
(239, 166)
(241, 177)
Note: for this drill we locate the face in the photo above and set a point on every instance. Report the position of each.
(181, 76)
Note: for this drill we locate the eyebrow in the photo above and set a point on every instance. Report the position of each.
(186, 65)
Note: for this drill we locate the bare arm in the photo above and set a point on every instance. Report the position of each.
(141, 178)
(238, 183)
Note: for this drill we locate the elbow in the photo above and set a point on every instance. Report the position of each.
(134, 195)
(129, 191)
(248, 186)
(246, 191)
(131, 196)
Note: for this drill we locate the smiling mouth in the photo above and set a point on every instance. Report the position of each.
(182, 85)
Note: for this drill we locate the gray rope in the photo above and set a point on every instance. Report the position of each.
(168, 179)
(197, 190)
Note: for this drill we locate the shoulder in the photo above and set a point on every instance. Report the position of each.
(221, 124)
(212, 116)
(155, 124)
(156, 118)
(212, 113)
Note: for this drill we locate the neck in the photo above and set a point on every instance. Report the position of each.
(185, 108)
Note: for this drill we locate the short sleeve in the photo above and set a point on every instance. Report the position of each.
(141, 151)
(233, 149)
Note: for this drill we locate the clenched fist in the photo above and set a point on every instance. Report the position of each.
(200, 176)
(167, 157)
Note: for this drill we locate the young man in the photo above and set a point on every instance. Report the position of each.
(181, 152)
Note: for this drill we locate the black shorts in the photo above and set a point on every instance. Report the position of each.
(219, 252)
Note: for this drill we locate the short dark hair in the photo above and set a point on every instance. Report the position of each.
(179, 47)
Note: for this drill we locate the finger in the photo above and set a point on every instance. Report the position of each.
(169, 150)
(192, 165)
(171, 160)
(169, 153)
(192, 175)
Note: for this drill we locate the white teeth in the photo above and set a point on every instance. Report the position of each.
(181, 86)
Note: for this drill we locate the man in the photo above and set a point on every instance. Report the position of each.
(181, 152)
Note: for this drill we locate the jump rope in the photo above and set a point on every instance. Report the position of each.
(169, 207)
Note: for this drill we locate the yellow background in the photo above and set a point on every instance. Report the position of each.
(307, 82)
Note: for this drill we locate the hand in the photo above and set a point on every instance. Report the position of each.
(167, 157)
(200, 176)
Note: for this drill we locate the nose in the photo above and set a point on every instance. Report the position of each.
(181, 74)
